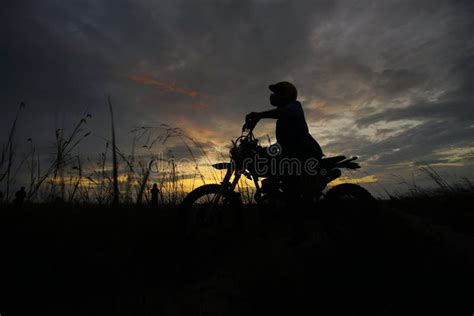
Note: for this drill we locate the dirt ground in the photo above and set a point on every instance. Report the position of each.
(417, 258)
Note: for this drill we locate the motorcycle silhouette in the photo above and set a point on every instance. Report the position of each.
(215, 208)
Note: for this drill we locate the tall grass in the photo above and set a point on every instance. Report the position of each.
(116, 176)
(8, 153)
(55, 174)
(441, 186)
(114, 156)
(111, 177)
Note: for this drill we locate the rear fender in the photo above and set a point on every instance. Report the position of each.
(348, 163)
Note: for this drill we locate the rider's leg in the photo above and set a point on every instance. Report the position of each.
(297, 210)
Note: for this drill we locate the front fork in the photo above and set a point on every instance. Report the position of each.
(226, 184)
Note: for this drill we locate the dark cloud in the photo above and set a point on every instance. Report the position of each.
(361, 67)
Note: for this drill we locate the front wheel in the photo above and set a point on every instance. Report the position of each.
(210, 209)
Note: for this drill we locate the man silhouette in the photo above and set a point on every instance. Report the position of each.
(19, 197)
(295, 141)
(154, 195)
(292, 131)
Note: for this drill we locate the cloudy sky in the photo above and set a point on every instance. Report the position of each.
(389, 81)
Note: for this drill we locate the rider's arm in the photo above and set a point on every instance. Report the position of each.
(274, 114)
(252, 118)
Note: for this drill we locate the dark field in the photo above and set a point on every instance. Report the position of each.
(418, 258)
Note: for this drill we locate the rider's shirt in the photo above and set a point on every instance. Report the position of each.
(293, 134)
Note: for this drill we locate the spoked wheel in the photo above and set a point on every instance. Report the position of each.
(350, 211)
(208, 211)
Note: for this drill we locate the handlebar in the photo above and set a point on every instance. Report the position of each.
(249, 125)
(247, 130)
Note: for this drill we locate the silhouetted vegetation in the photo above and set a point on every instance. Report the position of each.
(77, 260)
(74, 253)
(114, 175)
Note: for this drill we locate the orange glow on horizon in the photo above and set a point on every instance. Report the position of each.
(366, 179)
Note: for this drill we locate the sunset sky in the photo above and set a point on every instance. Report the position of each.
(389, 81)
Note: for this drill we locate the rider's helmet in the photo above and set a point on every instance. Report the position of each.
(285, 90)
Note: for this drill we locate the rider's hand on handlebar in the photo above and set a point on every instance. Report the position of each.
(251, 120)
(252, 116)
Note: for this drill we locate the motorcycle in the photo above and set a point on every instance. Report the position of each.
(213, 208)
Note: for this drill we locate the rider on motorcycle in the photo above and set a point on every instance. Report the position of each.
(292, 131)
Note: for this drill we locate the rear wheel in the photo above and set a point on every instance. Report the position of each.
(210, 210)
(350, 211)
(349, 192)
